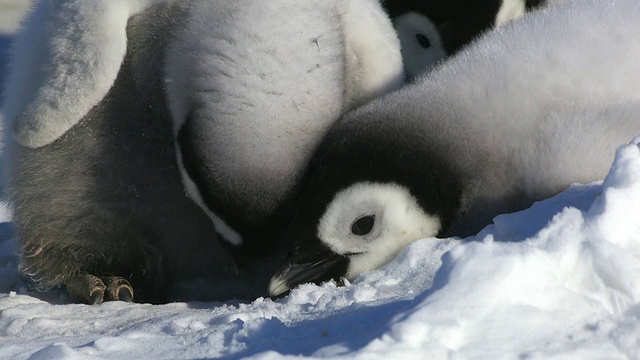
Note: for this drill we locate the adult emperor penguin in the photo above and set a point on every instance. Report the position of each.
(517, 117)
(429, 31)
(100, 92)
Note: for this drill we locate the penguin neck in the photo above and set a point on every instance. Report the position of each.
(381, 152)
(453, 165)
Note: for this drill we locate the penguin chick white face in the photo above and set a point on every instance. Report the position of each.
(365, 226)
(371, 222)
(421, 45)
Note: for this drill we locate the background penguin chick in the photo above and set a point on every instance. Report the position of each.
(421, 45)
(430, 30)
(480, 136)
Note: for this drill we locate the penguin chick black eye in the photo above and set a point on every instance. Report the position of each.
(423, 41)
(363, 225)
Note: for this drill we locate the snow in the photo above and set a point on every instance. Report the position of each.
(560, 280)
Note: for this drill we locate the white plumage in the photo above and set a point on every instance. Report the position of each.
(54, 54)
(263, 85)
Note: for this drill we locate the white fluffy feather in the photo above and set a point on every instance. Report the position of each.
(372, 52)
(510, 10)
(266, 104)
(60, 70)
(69, 53)
(537, 71)
(399, 221)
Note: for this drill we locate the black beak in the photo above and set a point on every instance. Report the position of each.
(329, 266)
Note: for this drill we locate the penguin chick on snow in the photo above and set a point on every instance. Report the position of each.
(431, 30)
(102, 209)
(517, 117)
(100, 92)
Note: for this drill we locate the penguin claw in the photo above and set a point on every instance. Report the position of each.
(93, 290)
(96, 297)
(87, 288)
(118, 289)
(124, 294)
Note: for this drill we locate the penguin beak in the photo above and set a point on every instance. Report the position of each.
(324, 268)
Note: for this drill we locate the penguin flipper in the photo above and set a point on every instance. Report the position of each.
(64, 62)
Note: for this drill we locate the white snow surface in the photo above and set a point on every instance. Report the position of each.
(560, 280)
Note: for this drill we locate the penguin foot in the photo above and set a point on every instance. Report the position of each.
(87, 288)
(93, 290)
(118, 289)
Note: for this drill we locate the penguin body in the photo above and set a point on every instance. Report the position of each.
(247, 127)
(480, 136)
(106, 199)
(96, 180)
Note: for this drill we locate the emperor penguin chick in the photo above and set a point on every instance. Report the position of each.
(517, 117)
(243, 89)
(102, 210)
(430, 31)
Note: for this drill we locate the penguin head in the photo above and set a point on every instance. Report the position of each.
(363, 227)
(421, 45)
(429, 31)
(368, 193)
